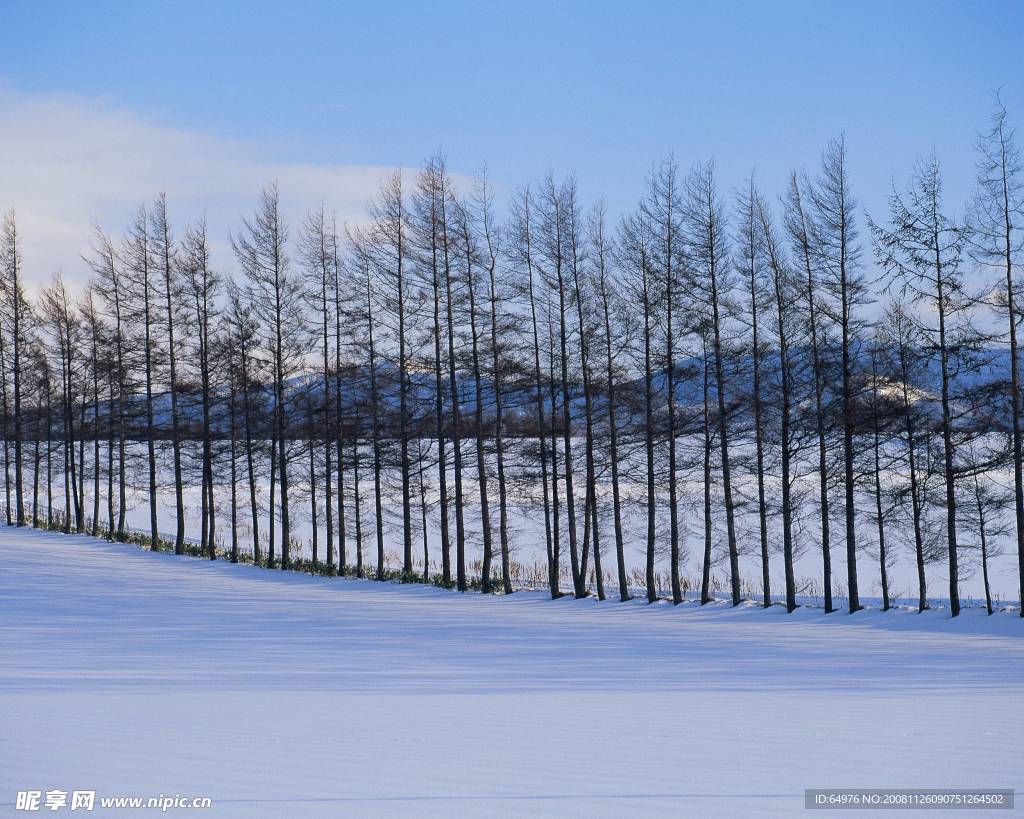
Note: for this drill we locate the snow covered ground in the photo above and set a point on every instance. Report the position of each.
(284, 695)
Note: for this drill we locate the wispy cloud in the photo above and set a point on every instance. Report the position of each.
(68, 162)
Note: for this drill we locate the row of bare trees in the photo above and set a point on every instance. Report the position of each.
(724, 375)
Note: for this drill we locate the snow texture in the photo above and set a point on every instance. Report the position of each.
(285, 695)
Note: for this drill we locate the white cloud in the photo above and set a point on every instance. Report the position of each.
(67, 162)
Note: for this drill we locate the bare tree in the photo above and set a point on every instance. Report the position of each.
(899, 334)
(923, 250)
(466, 229)
(63, 330)
(318, 254)
(581, 297)
(708, 252)
(388, 252)
(785, 292)
(243, 331)
(634, 246)
(15, 308)
(203, 285)
(522, 244)
(984, 516)
(663, 213)
(428, 230)
(553, 249)
(496, 300)
(609, 297)
(165, 258)
(877, 422)
(445, 201)
(5, 427)
(95, 330)
(137, 259)
(362, 275)
(109, 283)
(276, 296)
(839, 255)
(750, 253)
(338, 420)
(803, 239)
(997, 241)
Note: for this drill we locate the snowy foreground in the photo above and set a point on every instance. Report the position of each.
(283, 695)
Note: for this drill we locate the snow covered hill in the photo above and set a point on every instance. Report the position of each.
(285, 695)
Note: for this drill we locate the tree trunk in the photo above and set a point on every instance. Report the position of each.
(979, 500)
(915, 496)
(539, 400)
(481, 466)
(762, 506)
(652, 590)
(250, 464)
(356, 499)
(947, 447)
(378, 503)
(613, 441)
(883, 568)
(705, 584)
(314, 523)
(723, 440)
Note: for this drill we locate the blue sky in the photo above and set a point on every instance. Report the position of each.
(603, 89)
